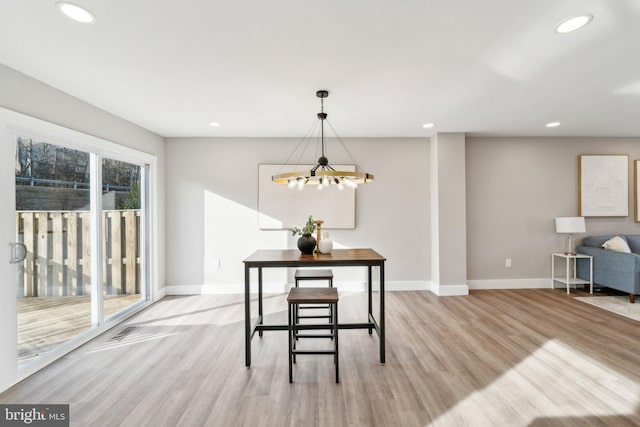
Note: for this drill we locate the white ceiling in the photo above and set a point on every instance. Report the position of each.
(491, 67)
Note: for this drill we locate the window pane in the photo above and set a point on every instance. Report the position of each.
(53, 222)
(121, 218)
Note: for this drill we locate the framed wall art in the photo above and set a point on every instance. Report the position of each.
(603, 188)
(636, 180)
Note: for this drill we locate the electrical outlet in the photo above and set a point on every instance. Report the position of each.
(507, 263)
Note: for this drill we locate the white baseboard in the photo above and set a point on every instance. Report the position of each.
(236, 288)
(159, 294)
(440, 290)
(510, 284)
(449, 290)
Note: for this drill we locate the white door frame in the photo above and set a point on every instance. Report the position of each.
(12, 124)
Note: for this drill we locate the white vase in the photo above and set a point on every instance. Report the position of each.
(325, 245)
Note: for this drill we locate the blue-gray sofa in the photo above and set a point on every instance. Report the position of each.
(616, 270)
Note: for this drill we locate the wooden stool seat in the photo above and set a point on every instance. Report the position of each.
(314, 274)
(312, 296)
(324, 274)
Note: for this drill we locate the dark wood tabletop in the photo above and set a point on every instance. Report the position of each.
(293, 257)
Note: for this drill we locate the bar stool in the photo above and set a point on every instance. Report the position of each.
(312, 296)
(311, 275)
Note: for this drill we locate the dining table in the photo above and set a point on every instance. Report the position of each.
(293, 258)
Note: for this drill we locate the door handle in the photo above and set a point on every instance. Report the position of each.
(18, 252)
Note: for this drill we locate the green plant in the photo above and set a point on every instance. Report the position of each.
(133, 198)
(308, 228)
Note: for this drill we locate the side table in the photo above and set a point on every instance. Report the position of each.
(570, 279)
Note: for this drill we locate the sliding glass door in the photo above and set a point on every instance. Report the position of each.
(80, 226)
(75, 245)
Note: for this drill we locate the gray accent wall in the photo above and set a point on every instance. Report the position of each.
(515, 189)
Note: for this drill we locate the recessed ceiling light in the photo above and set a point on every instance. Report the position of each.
(572, 24)
(75, 12)
(428, 125)
(553, 124)
(214, 125)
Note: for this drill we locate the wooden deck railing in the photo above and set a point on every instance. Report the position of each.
(58, 252)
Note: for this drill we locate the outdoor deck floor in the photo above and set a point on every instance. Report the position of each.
(44, 322)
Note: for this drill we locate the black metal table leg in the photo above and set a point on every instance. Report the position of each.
(370, 290)
(260, 299)
(247, 318)
(381, 321)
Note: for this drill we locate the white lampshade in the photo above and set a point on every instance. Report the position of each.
(570, 224)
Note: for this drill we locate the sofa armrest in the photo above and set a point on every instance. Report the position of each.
(617, 270)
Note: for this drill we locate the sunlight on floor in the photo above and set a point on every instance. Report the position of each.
(555, 381)
(131, 339)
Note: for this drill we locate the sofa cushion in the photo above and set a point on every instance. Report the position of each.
(596, 241)
(617, 244)
(634, 243)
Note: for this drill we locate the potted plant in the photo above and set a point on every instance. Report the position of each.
(306, 242)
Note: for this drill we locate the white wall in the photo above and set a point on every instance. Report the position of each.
(31, 97)
(212, 197)
(448, 215)
(515, 189)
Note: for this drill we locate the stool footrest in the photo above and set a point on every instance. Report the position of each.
(313, 352)
(315, 317)
(314, 336)
(304, 326)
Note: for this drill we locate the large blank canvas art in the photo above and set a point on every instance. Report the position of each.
(604, 185)
(281, 207)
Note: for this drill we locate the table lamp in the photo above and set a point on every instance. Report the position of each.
(570, 225)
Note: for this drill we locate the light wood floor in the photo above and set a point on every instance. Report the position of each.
(46, 322)
(493, 358)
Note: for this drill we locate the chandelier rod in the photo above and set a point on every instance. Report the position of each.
(344, 146)
(308, 140)
(322, 116)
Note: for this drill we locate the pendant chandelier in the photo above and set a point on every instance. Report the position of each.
(322, 174)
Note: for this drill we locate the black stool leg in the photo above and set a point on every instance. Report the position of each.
(295, 328)
(297, 312)
(290, 330)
